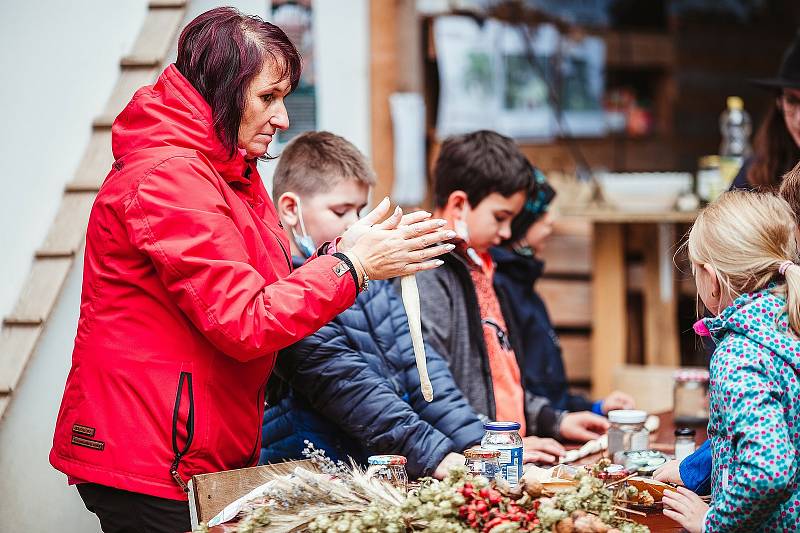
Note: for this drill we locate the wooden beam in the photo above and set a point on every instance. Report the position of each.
(661, 331)
(609, 318)
(383, 82)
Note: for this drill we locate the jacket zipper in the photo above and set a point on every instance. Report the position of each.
(285, 255)
(186, 377)
(259, 411)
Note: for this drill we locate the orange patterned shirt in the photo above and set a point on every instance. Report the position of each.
(509, 396)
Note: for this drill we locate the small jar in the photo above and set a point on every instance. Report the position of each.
(690, 407)
(482, 462)
(684, 443)
(389, 468)
(627, 433)
(504, 437)
(708, 181)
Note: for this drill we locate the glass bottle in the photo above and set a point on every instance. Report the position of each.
(389, 468)
(627, 433)
(690, 406)
(504, 437)
(482, 462)
(684, 443)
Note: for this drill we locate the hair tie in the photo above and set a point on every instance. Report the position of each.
(784, 267)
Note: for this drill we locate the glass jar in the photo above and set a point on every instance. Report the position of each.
(504, 437)
(684, 443)
(690, 406)
(709, 178)
(389, 468)
(627, 433)
(482, 462)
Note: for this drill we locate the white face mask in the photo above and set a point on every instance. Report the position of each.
(460, 225)
(461, 228)
(304, 242)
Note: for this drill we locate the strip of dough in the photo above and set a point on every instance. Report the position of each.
(410, 293)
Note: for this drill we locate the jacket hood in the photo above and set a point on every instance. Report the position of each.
(761, 317)
(517, 267)
(172, 113)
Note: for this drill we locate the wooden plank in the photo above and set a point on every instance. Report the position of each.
(661, 331)
(383, 82)
(69, 227)
(212, 492)
(568, 301)
(568, 250)
(130, 80)
(155, 38)
(615, 216)
(639, 49)
(577, 352)
(17, 343)
(96, 162)
(41, 290)
(609, 319)
(650, 386)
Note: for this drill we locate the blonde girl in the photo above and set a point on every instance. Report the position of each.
(743, 251)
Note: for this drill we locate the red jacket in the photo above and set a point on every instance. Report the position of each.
(188, 292)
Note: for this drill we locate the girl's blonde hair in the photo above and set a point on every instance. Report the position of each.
(746, 237)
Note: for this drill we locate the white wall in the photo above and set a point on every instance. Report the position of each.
(59, 61)
(341, 37)
(33, 495)
(341, 48)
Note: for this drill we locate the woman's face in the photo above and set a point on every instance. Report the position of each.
(790, 106)
(264, 110)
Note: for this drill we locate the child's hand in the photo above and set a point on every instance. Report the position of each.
(617, 400)
(583, 426)
(686, 508)
(450, 460)
(670, 472)
(538, 450)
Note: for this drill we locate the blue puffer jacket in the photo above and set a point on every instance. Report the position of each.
(353, 390)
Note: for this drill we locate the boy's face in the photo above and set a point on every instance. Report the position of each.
(539, 232)
(489, 222)
(326, 215)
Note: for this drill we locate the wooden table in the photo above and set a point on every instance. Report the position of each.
(663, 440)
(609, 290)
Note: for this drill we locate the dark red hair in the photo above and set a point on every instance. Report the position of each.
(221, 51)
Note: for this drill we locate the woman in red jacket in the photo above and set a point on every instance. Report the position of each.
(188, 288)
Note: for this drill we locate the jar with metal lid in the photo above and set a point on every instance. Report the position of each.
(389, 468)
(627, 433)
(684, 443)
(709, 183)
(504, 437)
(690, 407)
(482, 462)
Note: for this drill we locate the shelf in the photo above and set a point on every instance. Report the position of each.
(617, 154)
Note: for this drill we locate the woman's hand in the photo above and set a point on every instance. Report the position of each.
(538, 450)
(669, 472)
(686, 508)
(398, 246)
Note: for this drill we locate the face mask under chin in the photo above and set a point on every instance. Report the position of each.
(304, 241)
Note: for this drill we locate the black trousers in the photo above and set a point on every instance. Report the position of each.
(121, 511)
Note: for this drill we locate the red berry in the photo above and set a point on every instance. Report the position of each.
(484, 492)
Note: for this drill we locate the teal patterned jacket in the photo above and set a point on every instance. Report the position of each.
(754, 425)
